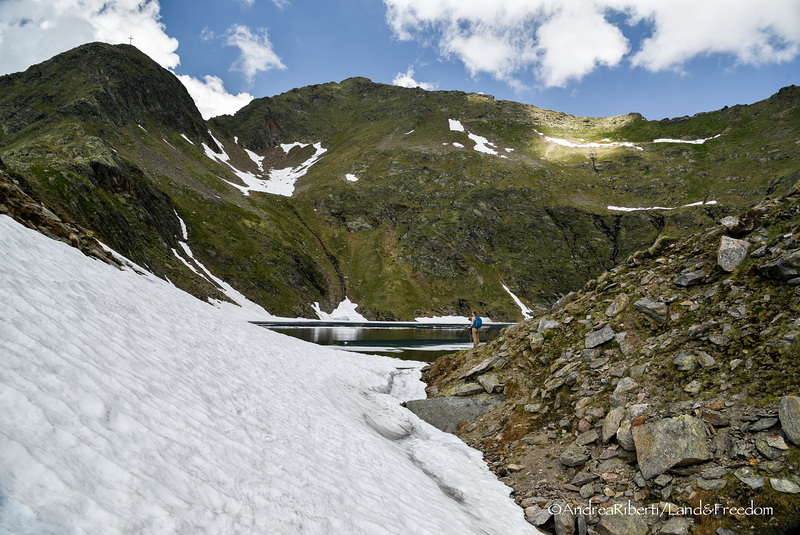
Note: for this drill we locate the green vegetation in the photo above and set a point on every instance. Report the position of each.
(431, 227)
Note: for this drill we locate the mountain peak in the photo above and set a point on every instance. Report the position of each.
(115, 84)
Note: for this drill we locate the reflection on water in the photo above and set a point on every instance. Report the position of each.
(409, 343)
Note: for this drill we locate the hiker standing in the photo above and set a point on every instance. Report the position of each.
(474, 325)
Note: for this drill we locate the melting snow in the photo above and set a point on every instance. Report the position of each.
(589, 145)
(187, 139)
(279, 182)
(623, 209)
(351, 177)
(127, 405)
(456, 125)
(693, 142)
(246, 307)
(259, 160)
(481, 143)
(346, 311)
(527, 313)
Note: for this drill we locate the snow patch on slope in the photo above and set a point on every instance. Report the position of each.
(691, 142)
(345, 311)
(246, 308)
(481, 143)
(278, 181)
(624, 209)
(281, 181)
(583, 144)
(527, 313)
(127, 405)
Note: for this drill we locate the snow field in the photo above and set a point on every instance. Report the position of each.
(278, 181)
(128, 406)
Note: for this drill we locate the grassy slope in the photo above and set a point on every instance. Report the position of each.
(429, 228)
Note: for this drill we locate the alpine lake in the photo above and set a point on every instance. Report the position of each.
(420, 341)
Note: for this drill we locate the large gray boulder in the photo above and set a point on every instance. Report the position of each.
(627, 522)
(574, 455)
(783, 268)
(693, 278)
(447, 412)
(599, 337)
(731, 253)
(491, 383)
(657, 311)
(670, 442)
(481, 367)
(789, 414)
(685, 362)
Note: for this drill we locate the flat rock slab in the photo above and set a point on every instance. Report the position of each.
(622, 523)
(688, 280)
(785, 485)
(783, 268)
(447, 412)
(749, 477)
(657, 311)
(469, 389)
(599, 337)
(668, 443)
(789, 413)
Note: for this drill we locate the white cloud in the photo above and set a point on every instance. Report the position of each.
(754, 33)
(564, 40)
(31, 32)
(407, 80)
(211, 98)
(256, 51)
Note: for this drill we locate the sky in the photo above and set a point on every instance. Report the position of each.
(146, 410)
(583, 57)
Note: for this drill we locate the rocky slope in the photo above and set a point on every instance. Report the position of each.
(408, 202)
(670, 383)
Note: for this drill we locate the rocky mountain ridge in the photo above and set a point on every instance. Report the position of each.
(667, 388)
(407, 202)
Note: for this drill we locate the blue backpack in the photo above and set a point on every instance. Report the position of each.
(478, 322)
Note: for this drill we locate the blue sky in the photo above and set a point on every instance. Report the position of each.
(583, 57)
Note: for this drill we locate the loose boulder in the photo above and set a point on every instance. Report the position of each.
(611, 423)
(482, 367)
(619, 304)
(685, 362)
(789, 414)
(657, 311)
(668, 443)
(599, 337)
(783, 268)
(626, 522)
(693, 278)
(491, 383)
(787, 486)
(731, 253)
(574, 455)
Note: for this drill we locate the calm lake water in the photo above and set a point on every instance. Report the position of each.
(406, 340)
